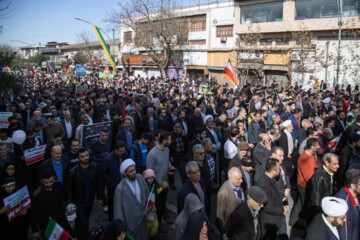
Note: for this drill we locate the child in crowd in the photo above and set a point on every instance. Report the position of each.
(151, 220)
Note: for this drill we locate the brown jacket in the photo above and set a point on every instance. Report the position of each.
(226, 204)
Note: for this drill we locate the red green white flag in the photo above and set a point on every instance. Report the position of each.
(230, 74)
(55, 232)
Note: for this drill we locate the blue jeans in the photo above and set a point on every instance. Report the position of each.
(83, 214)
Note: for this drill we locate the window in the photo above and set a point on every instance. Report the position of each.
(304, 41)
(197, 23)
(269, 12)
(282, 41)
(307, 9)
(197, 42)
(224, 31)
(266, 41)
(127, 37)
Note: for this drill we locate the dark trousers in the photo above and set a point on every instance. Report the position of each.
(299, 205)
(161, 204)
(110, 196)
(179, 163)
(83, 214)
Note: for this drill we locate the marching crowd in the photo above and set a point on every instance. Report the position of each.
(275, 157)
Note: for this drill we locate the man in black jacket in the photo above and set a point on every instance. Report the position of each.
(109, 171)
(271, 217)
(322, 183)
(192, 185)
(45, 202)
(83, 184)
(241, 224)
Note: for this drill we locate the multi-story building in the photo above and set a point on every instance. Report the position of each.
(297, 40)
(92, 50)
(208, 34)
(266, 40)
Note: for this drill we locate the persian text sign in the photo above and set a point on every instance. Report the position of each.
(18, 202)
(34, 155)
(91, 133)
(4, 123)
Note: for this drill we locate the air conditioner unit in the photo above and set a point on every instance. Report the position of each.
(295, 56)
(223, 39)
(143, 61)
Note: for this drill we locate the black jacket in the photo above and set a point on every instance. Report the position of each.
(318, 230)
(338, 129)
(47, 164)
(45, 204)
(76, 187)
(73, 128)
(236, 162)
(271, 216)
(320, 187)
(240, 225)
(186, 189)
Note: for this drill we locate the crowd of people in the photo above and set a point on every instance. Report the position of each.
(275, 157)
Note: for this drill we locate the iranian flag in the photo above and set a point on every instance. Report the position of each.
(335, 86)
(151, 199)
(335, 141)
(54, 231)
(230, 74)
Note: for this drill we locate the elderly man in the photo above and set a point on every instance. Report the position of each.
(350, 194)
(59, 164)
(229, 197)
(195, 122)
(37, 118)
(261, 153)
(192, 185)
(286, 141)
(326, 224)
(130, 200)
(69, 126)
(242, 222)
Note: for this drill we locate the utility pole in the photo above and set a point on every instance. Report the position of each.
(340, 5)
(327, 60)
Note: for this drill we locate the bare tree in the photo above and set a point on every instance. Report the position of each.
(156, 25)
(303, 55)
(85, 38)
(6, 10)
(250, 57)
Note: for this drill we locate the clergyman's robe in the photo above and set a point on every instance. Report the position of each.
(128, 209)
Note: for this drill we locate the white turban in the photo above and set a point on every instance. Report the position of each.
(286, 123)
(125, 164)
(326, 100)
(333, 206)
(207, 118)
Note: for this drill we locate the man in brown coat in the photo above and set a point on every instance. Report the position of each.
(229, 197)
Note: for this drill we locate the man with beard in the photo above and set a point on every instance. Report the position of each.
(287, 143)
(158, 160)
(73, 153)
(83, 184)
(326, 224)
(130, 200)
(45, 202)
(350, 194)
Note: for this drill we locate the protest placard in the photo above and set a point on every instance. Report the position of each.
(91, 133)
(4, 123)
(18, 202)
(34, 155)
